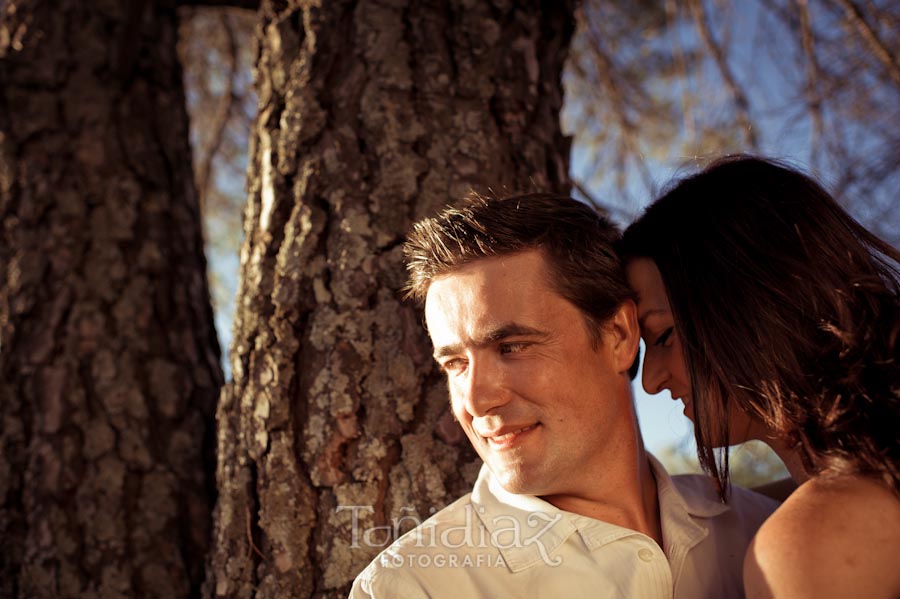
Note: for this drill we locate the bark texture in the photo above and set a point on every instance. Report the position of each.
(372, 114)
(109, 366)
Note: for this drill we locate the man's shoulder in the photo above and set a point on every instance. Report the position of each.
(451, 515)
(454, 516)
(438, 551)
(376, 582)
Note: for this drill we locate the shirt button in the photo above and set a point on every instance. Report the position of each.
(645, 554)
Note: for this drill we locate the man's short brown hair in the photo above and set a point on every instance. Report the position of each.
(577, 242)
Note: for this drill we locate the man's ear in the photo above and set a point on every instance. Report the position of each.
(624, 336)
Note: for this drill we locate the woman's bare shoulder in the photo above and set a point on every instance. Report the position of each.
(833, 537)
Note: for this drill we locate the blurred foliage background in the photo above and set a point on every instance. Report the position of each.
(654, 89)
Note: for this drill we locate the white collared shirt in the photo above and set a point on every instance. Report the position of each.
(492, 543)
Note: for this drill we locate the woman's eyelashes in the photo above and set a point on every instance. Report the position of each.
(664, 337)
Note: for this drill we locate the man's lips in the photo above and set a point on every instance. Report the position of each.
(508, 435)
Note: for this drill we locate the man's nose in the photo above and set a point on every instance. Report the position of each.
(485, 387)
(655, 375)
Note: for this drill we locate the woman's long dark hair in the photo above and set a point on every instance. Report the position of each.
(786, 306)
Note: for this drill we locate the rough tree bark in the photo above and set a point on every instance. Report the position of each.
(372, 114)
(109, 368)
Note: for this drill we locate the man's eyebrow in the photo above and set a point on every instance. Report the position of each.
(654, 312)
(500, 333)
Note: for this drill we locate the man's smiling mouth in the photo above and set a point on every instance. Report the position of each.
(509, 438)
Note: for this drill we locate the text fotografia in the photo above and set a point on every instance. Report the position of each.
(441, 560)
(453, 546)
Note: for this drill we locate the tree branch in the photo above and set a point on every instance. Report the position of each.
(629, 139)
(856, 18)
(602, 207)
(223, 112)
(740, 99)
(687, 109)
(813, 97)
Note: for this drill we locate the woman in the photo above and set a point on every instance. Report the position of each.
(775, 316)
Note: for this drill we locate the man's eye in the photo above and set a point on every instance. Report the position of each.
(511, 348)
(661, 340)
(453, 366)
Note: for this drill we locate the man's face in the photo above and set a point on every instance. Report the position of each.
(538, 402)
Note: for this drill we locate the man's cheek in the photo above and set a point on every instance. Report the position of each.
(457, 405)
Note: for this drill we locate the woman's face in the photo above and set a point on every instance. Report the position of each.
(663, 360)
(664, 366)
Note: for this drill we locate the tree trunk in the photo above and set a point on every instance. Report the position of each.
(109, 367)
(372, 114)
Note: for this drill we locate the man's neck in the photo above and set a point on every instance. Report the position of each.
(628, 498)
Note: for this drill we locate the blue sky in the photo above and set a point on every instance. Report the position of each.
(759, 57)
(758, 63)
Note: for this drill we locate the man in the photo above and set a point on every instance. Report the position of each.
(533, 324)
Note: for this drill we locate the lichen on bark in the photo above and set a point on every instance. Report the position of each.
(372, 114)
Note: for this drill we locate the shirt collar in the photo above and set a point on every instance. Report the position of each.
(526, 529)
(700, 501)
(683, 511)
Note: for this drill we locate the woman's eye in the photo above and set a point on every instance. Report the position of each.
(661, 340)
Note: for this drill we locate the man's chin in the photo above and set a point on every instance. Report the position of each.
(512, 480)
